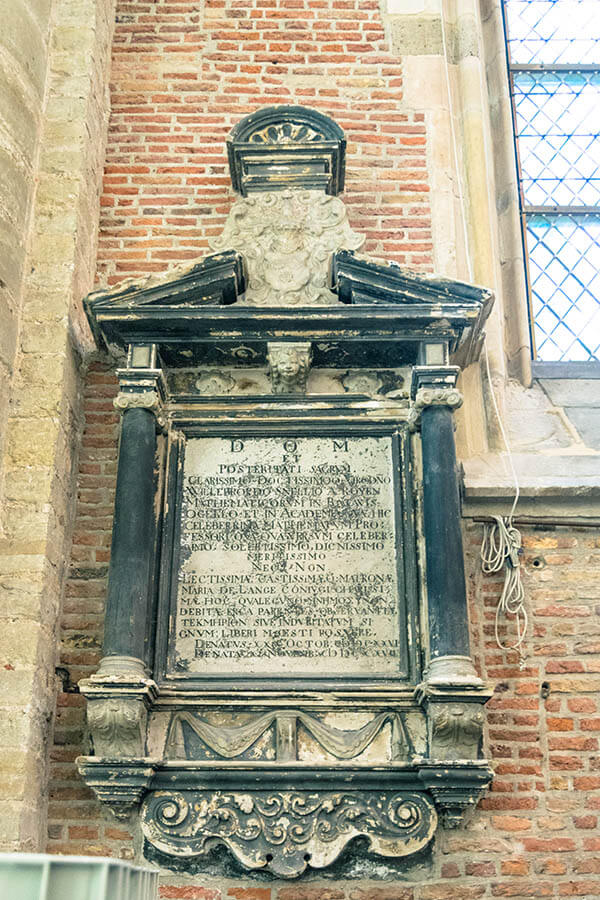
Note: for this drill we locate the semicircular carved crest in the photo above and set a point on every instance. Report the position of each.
(286, 124)
(286, 831)
(286, 133)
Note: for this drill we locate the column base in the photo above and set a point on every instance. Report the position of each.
(454, 672)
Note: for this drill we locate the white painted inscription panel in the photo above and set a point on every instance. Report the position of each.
(288, 559)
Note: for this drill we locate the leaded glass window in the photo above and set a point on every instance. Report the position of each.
(554, 65)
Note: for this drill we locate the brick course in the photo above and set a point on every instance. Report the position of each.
(184, 73)
(533, 835)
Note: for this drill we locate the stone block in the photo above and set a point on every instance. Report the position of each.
(22, 36)
(11, 259)
(573, 391)
(20, 117)
(21, 826)
(45, 369)
(40, 9)
(31, 442)
(52, 338)
(417, 35)
(16, 563)
(586, 420)
(8, 329)
(532, 421)
(14, 726)
(30, 485)
(19, 642)
(15, 189)
(16, 685)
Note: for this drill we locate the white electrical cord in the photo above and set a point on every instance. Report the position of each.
(501, 541)
(501, 547)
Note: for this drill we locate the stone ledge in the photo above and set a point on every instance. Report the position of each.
(552, 487)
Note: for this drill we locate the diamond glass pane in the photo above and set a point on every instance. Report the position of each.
(558, 123)
(564, 273)
(553, 31)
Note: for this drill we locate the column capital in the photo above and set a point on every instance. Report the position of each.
(438, 397)
(433, 386)
(142, 388)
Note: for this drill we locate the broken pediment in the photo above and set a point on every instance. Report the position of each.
(286, 268)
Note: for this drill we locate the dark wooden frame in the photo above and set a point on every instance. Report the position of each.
(338, 419)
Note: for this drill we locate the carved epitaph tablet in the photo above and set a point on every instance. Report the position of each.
(270, 680)
(289, 559)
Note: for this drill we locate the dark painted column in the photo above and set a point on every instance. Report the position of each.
(435, 399)
(130, 572)
(446, 587)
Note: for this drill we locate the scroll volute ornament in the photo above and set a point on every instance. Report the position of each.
(285, 831)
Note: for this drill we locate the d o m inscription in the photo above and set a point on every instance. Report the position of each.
(288, 558)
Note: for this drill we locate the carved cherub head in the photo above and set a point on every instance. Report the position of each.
(289, 365)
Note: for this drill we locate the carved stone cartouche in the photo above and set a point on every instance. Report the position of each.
(286, 831)
(287, 238)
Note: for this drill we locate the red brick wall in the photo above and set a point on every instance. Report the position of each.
(534, 835)
(185, 72)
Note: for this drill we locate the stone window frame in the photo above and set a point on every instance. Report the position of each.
(510, 195)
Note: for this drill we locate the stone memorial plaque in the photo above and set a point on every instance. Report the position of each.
(288, 559)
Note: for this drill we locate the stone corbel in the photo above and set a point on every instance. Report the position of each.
(455, 787)
(119, 783)
(289, 365)
(455, 773)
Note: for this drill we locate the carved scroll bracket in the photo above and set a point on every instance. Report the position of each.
(287, 831)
